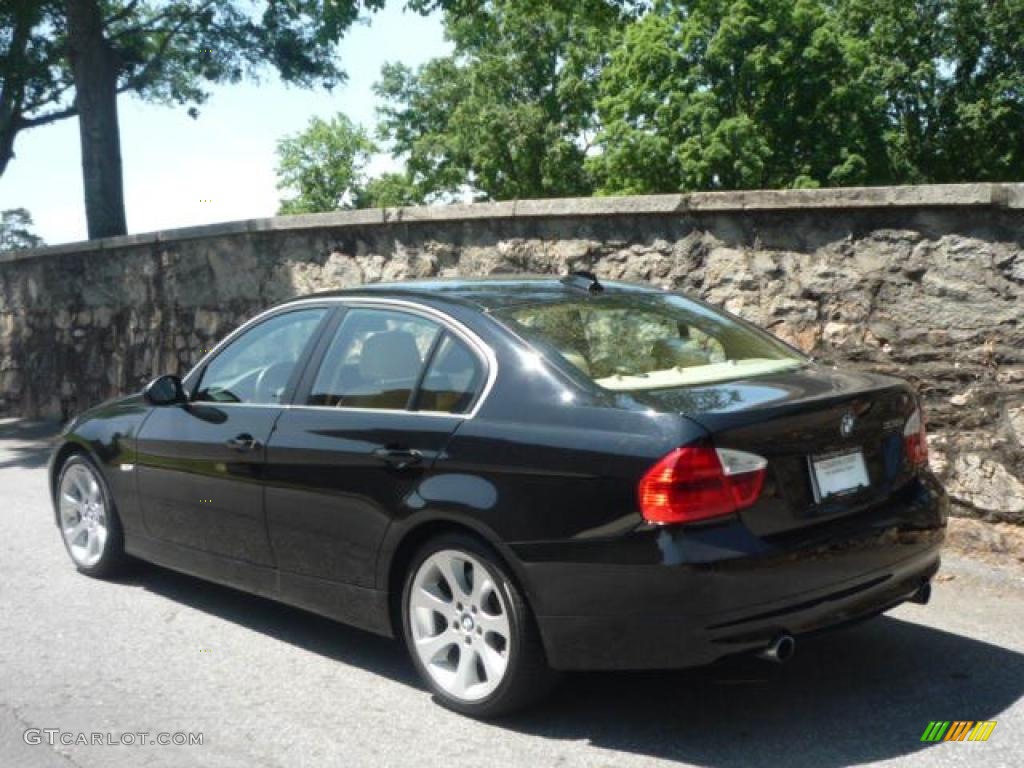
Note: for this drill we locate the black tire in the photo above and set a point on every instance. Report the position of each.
(113, 560)
(527, 677)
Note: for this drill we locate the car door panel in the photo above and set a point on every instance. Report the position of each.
(198, 490)
(200, 464)
(350, 454)
(336, 477)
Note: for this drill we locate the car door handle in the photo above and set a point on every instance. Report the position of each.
(243, 442)
(399, 458)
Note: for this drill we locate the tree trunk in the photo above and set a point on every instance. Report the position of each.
(95, 68)
(8, 130)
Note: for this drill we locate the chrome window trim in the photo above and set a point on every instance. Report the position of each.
(482, 350)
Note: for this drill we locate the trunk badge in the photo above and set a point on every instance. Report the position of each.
(847, 424)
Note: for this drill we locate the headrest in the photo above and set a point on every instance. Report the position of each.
(391, 356)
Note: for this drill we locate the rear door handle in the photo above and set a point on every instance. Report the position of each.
(243, 442)
(399, 458)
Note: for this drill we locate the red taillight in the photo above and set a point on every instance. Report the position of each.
(696, 482)
(915, 441)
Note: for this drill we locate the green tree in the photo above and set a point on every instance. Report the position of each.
(323, 167)
(510, 113)
(725, 94)
(16, 230)
(32, 84)
(949, 76)
(738, 93)
(390, 190)
(62, 58)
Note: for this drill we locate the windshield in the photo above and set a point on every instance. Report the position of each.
(649, 341)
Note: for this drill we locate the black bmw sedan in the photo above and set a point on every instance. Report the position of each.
(518, 476)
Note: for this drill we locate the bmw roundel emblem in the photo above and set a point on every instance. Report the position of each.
(846, 425)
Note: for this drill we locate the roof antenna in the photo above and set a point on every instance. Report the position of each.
(583, 279)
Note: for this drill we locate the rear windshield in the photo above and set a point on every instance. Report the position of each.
(651, 341)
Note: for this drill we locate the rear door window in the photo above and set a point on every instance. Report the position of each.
(374, 360)
(452, 380)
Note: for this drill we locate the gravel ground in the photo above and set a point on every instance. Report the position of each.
(267, 685)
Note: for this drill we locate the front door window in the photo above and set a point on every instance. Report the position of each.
(257, 367)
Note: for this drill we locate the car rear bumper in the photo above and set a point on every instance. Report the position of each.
(675, 597)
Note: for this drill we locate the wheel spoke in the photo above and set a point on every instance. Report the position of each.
(94, 490)
(424, 598)
(69, 515)
(466, 673)
(497, 625)
(483, 586)
(431, 646)
(454, 573)
(494, 662)
(100, 534)
(80, 485)
(76, 531)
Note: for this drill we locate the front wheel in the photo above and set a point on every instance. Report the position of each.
(88, 520)
(469, 630)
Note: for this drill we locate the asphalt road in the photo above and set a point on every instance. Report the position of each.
(267, 685)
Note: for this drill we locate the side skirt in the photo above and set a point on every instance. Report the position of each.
(359, 606)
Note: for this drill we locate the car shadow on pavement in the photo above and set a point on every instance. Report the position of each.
(857, 695)
(26, 444)
(302, 629)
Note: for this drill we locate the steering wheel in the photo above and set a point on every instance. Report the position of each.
(271, 382)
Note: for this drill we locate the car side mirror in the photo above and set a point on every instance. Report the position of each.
(165, 390)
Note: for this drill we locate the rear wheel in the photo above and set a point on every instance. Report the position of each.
(469, 630)
(89, 524)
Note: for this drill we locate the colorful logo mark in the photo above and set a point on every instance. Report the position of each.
(958, 730)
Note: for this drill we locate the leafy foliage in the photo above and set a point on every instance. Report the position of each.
(15, 230)
(324, 166)
(163, 51)
(560, 98)
(511, 112)
(390, 190)
(33, 83)
(169, 52)
(754, 93)
(949, 77)
(775, 93)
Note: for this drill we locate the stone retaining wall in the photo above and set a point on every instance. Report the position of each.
(923, 282)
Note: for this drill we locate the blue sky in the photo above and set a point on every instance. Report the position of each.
(172, 162)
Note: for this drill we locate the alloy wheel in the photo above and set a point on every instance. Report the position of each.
(83, 515)
(460, 625)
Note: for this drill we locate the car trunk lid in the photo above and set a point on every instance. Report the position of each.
(810, 424)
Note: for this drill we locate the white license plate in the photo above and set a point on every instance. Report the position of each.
(836, 475)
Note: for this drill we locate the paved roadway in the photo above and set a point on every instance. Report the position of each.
(270, 686)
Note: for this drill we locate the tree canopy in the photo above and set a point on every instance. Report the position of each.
(16, 230)
(66, 58)
(542, 99)
(323, 167)
(774, 93)
(511, 112)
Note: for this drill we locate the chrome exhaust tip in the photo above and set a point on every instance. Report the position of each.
(923, 594)
(780, 650)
